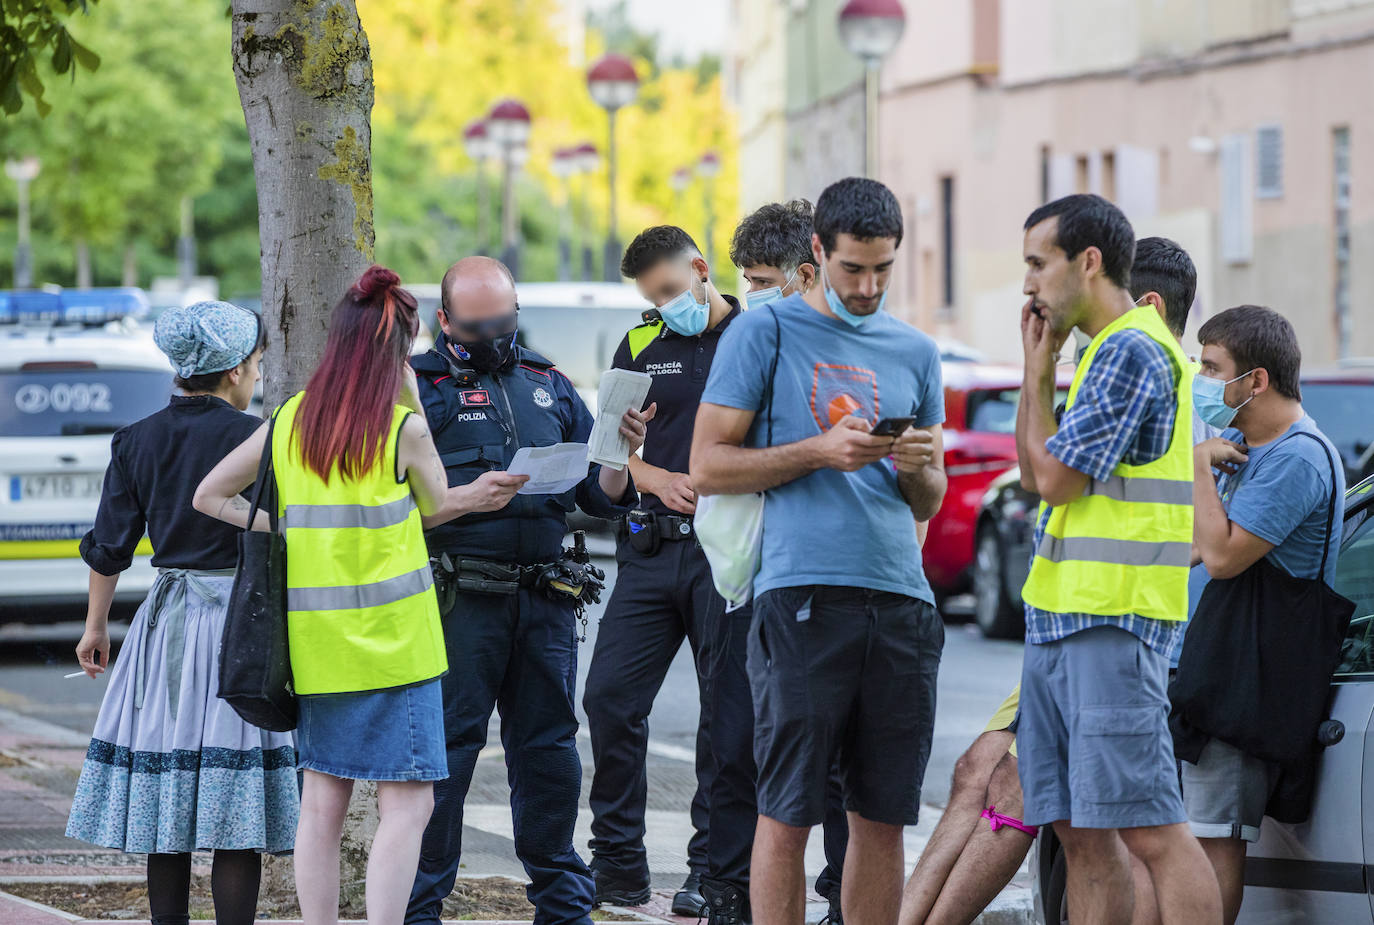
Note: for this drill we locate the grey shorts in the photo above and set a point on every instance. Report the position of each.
(1093, 738)
(842, 676)
(1226, 792)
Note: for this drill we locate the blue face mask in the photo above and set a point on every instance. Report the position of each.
(685, 315)
(832, 298)
(763, 296)
(1209, 400)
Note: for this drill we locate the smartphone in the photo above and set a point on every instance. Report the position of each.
(891, 427)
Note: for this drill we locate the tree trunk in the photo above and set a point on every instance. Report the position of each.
(83, 264)
(129, 275)
(304, 76)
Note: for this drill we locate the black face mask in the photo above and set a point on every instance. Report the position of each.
(488, 345)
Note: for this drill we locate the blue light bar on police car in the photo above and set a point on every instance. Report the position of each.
(72, 306)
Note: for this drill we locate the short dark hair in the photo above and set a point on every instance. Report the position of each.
(211, 382)
(654, 244)
(1087, 220)
(858, 207)
(775, 235)
(1258, 338)
(1162, 266)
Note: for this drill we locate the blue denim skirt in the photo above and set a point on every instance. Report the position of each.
(392, 734)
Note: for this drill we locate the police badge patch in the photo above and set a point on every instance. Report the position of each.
(542, 398)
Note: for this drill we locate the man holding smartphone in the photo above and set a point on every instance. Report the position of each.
(845, 643)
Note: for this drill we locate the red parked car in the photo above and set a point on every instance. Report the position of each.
(980, 444)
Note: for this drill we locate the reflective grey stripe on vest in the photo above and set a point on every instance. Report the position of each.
(333, 516)
(356, 597)
(1116, 552)
(1149, 491)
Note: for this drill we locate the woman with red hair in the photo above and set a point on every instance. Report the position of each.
(355, 471)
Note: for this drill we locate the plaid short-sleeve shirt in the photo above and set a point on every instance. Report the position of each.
(1124, 412)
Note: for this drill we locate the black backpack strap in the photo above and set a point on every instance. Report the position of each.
(265, 471)
(773, 372)
(1331, 504)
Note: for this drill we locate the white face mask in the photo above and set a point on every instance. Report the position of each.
(763, 296)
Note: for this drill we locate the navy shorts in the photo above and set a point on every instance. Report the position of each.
(1093, 738)
(847, 676)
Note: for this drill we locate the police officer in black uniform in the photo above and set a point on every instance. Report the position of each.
(509, 594)
(663, 593)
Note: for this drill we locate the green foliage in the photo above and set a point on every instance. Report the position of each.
(28, 30)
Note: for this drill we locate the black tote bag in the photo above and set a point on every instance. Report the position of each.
(254, 664)
(1273, 638)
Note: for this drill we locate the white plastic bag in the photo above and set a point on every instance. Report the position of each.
(730, 529)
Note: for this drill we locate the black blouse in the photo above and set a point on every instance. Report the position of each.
(155, 466)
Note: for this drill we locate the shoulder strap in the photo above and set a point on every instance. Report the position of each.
(1331, 504)
(773, 371)
(265, 470)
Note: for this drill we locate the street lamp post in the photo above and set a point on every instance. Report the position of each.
(509, 126)
(565, 164)
(613, 83)
(588, 161)
(478, 145)
(681, 179)
(22, 172)
(870, 30)
(708, 168)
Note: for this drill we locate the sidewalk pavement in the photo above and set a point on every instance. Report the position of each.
(40, 763)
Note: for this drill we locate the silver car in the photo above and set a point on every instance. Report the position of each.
(1319, 871)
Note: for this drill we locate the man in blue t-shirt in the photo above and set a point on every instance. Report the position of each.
(1271, 502)
(845, 643)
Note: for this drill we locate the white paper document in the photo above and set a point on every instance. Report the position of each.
(620, 390)
(552, 469)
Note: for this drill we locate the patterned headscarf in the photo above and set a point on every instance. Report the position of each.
(207, 337)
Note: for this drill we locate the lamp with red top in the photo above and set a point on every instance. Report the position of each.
(508, 126)
(477, 144)
(613, 83)
(870, 29)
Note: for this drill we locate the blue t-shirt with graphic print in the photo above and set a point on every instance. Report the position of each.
(845, 529)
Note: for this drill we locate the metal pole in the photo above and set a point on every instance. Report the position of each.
(707, 189)
(23, 253)
(510, 253)
(871, 119)
(565, 233)
(585, 221)
(611, 270)
(186, 244)
(483, 209)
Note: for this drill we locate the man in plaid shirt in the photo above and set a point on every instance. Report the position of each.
(1107, 593)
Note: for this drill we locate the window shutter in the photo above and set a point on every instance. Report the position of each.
(1237, 219)
(1269, 162)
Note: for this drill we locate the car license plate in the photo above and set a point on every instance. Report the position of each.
(56, 487)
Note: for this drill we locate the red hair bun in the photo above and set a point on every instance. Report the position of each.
(377, 281)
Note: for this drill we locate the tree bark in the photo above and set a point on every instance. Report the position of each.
(304, 74)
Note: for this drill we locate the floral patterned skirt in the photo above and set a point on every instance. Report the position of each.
(171, 767)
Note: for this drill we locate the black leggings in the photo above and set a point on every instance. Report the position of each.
(234, 879)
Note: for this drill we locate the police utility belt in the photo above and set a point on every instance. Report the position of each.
(647, 531)
(571, 578)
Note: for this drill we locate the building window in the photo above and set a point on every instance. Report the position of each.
(947, 240)
(1340, 163)
(1081, 176)
(1269, 162)
(1109, 176)
(1237, 199)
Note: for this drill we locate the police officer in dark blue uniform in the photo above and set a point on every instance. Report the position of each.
(663, 594)
(510, 597)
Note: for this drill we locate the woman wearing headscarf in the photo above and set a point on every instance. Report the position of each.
(171, 768)
(355, 471)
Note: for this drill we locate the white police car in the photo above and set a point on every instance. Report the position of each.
(71, 374)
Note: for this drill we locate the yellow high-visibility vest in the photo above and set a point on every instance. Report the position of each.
(1125, 546)
(361, 610)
